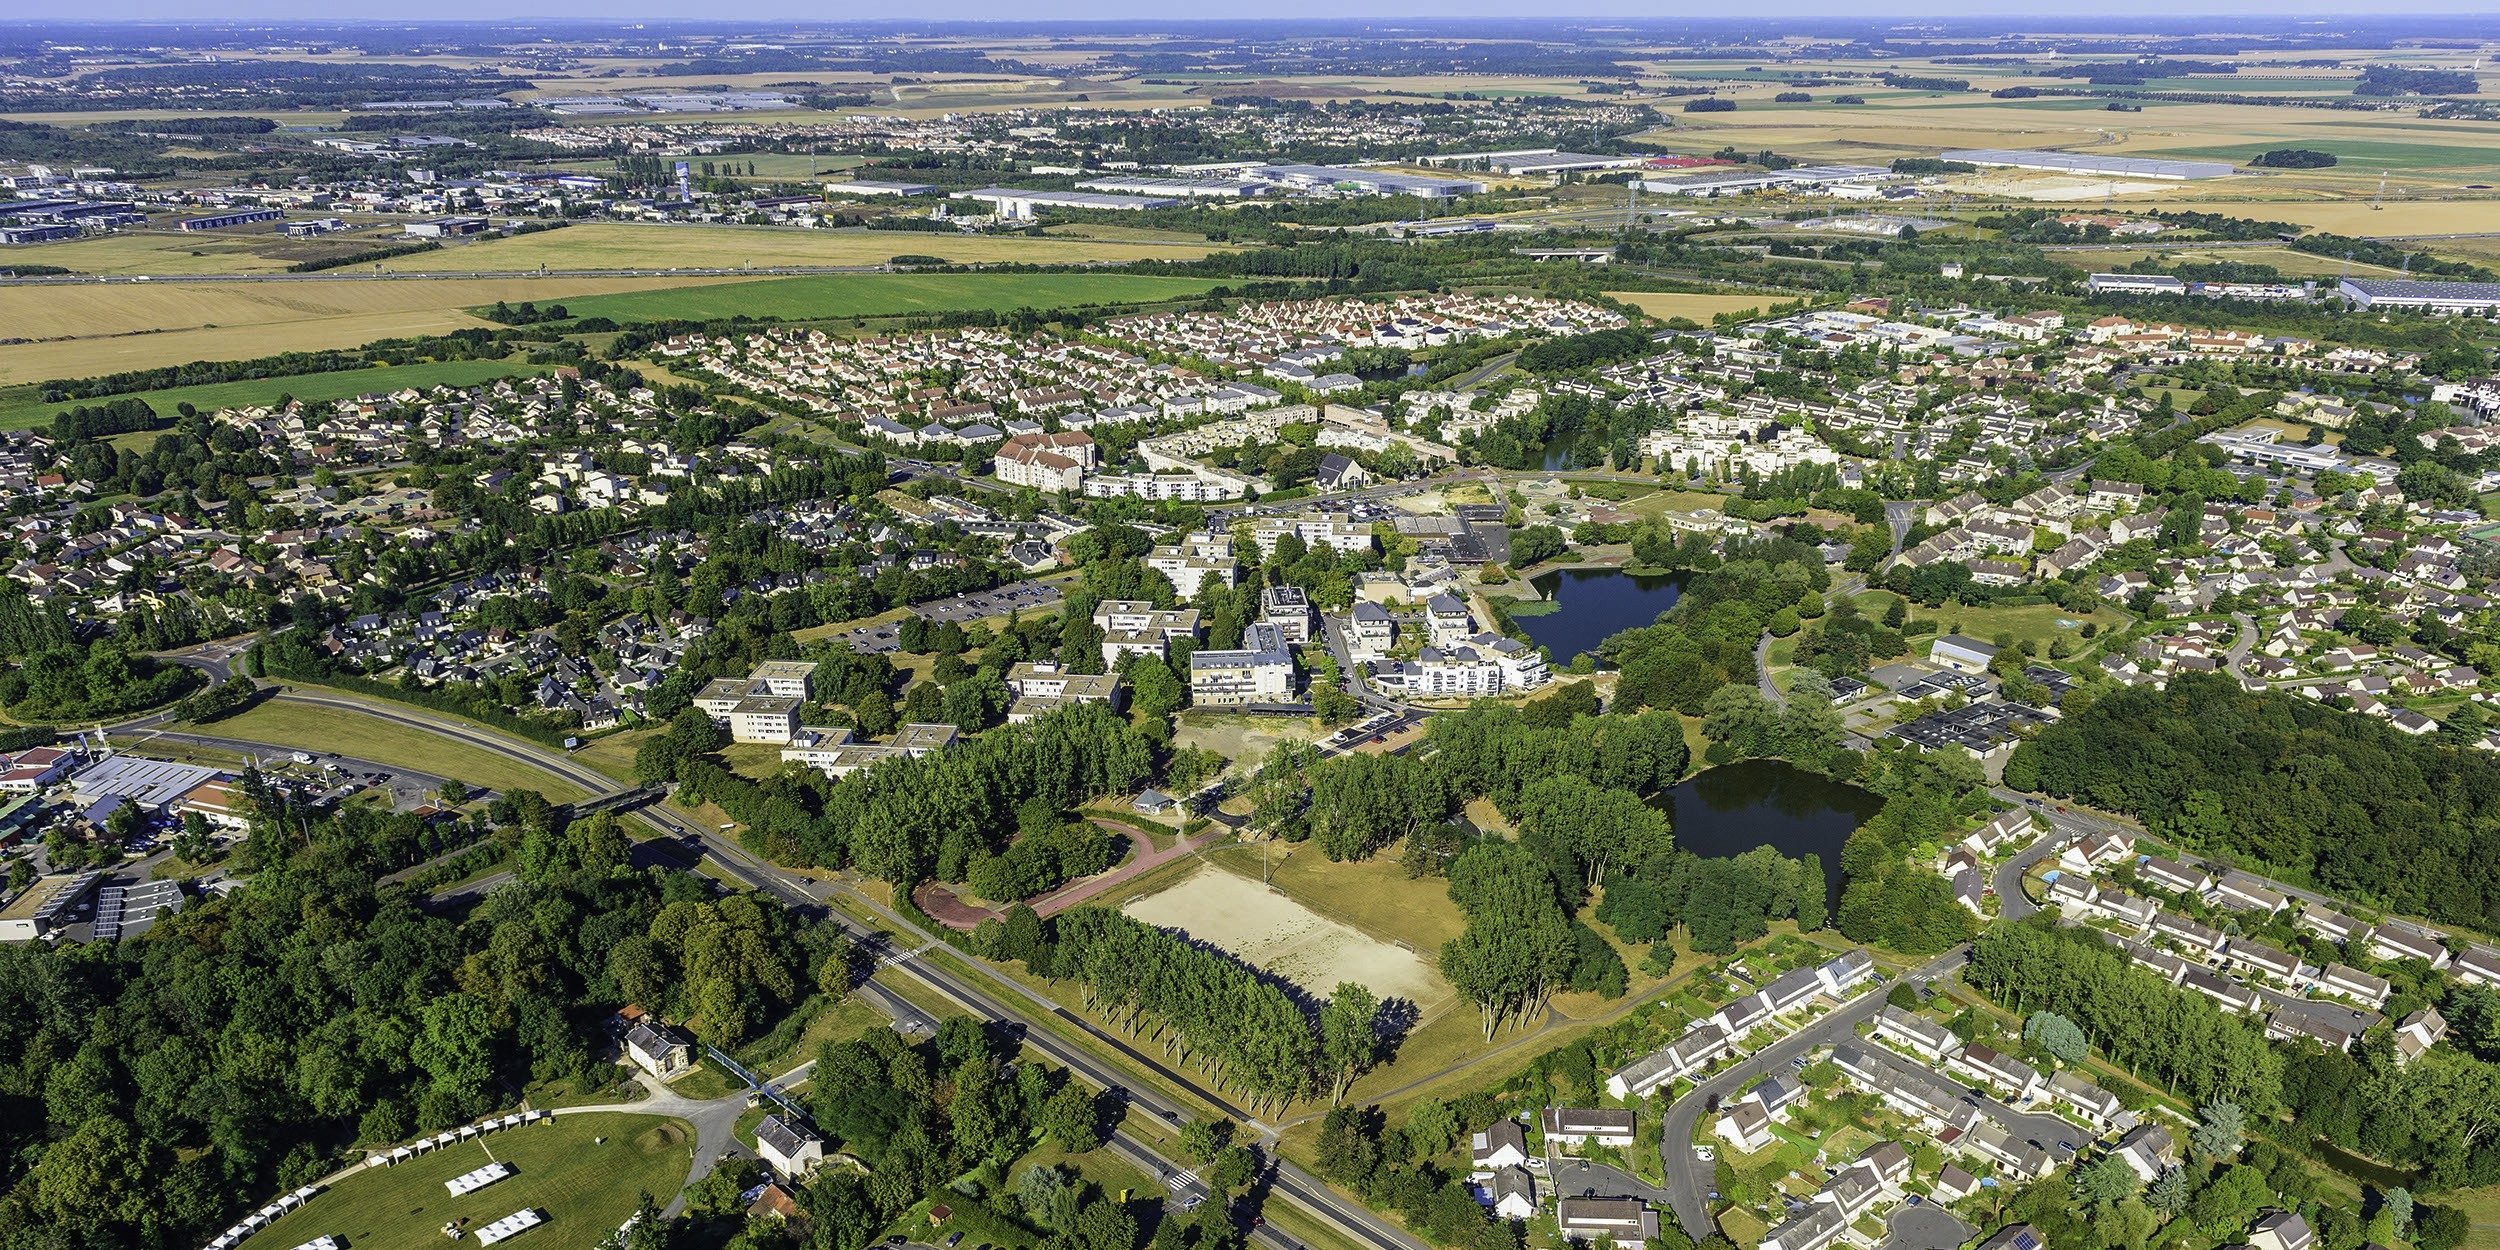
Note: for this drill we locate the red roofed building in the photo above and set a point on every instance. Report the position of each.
(34, 768)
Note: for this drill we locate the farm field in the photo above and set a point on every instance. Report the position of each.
(1701, 307)
(885, 294)
(2290, 263)
(2355, 217)
(88, 330)
(312, 728)
(22, 406)
(242, 250)
(1273, 931)
(620, 246)
(584, 1187)
(2421, 155)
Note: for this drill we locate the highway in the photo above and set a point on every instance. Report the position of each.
(1349, 1218)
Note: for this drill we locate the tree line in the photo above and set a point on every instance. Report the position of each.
(2144, 1024)
(2305, 791)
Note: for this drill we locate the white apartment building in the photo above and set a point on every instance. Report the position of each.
(1259, 671)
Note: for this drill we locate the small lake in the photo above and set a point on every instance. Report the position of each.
(1731, 809)
(1596, 604)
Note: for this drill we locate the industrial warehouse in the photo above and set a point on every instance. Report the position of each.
(2477, 298)
(2097, 165)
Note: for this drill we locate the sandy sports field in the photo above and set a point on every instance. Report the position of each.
(1281, 936)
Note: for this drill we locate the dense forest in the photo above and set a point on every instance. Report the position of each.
(158, 1085)
(2306, 791)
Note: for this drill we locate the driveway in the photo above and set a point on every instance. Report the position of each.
(1579, 1178)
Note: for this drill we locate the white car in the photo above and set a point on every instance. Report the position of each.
(1705, 1152)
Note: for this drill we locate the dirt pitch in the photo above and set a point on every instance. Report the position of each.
(1281, 936)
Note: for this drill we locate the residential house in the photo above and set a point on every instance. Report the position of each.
(2098, 1106)
(2418, 1033)
(2281, 1230)
(2242, 891)
(2346, 981)
(1917, 1034)
(1578, 1126)
(788, 1146)
(659, 1050)
(1624, 1221)
(2019, 1080)
(1502, 1144)
(2148, 1151)
(1513, 1193)
(2396, 944)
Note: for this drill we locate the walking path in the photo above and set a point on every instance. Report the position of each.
(947, 909)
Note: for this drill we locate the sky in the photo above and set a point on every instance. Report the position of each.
(1014, 11)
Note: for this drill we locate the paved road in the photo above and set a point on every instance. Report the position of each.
(1688, 1178)
(2237, 657)
(715, 1122)
(2064, 827)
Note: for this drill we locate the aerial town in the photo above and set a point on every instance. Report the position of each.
(1503, 633)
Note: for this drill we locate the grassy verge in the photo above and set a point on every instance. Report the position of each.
(309, 727)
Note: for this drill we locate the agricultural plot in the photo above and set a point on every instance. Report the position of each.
(2397, 219)
(241, 250)
(107, 328)
(885, 294)
(604, 246)
(23, 406)
(2419, 155)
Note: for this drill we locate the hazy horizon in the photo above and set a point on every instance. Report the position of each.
(1047, 11)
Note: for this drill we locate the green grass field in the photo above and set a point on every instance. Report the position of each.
(882, 295)
(314, 728)
(583, 1187)
(24, 406)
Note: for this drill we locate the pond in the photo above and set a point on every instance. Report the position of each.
(1734, 808)
(1596, 604)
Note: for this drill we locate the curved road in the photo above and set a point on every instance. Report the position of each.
(1688, 1178)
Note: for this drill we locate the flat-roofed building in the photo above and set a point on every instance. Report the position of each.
(1259, 671)
(153, 785)
(764, 718)
(1289, 609)
(44, 907)
(1042, 688)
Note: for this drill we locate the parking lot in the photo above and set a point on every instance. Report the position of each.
(978, 605)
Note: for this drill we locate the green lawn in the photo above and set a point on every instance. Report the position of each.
(884, 294)
(584, 1187)
(23, 406)
(2036, 623)
(313, 728)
